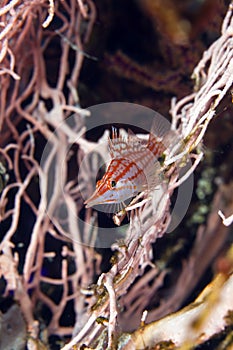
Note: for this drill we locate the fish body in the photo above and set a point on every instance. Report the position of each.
(134, 168)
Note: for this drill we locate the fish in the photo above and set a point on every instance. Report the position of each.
(135, 166)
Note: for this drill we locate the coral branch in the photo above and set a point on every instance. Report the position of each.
(49, 261)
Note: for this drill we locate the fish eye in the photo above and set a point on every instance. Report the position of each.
(113, 183)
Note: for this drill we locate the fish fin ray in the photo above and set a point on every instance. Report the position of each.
(120, 146)
(154, 175)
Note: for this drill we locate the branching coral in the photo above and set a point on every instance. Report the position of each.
(26, 120)
(38, 100)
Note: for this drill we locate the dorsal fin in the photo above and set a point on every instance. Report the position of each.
(155, 145)
(162, 138)
(160, 126)
(119, 146)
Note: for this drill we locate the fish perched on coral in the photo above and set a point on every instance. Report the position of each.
(136, 166)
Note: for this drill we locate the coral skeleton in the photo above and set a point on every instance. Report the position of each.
(54, 264)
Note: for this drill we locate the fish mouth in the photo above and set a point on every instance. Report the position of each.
(87, 204)
(95, 200)
(90, 202)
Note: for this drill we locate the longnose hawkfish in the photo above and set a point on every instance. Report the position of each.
(136, 166)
